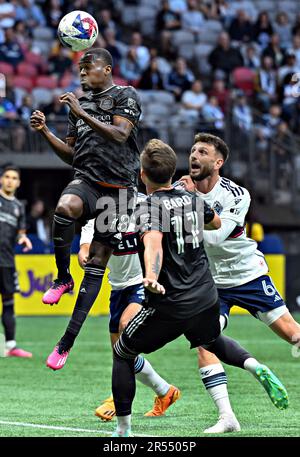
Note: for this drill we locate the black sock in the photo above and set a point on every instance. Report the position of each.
(123, 384)
(88, 293)
(229, 351)
(8, 319)
(63, 230)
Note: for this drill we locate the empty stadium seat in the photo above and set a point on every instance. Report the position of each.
(6, 69)
(243, 78)
(23, 82)
(27, 69)
(47, 82)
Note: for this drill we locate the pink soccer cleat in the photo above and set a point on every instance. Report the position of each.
(53, 295)
(57, 360)
(18, 352)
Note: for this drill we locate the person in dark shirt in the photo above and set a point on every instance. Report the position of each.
(12, 228)
(102, 147)
(151, 78)
(224, 56)
(10, 51)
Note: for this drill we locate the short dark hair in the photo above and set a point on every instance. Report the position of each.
(11, 168)
(99, 53)
(158, 160)
(217, 142)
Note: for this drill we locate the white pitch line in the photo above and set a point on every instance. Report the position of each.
(64, 429)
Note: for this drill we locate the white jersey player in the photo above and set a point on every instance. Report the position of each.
(238, 268)
(126, 279)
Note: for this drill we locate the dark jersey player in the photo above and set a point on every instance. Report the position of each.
(12, 228)
(101, 145)
(181, 297)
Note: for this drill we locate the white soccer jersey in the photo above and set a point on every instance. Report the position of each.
(233, 257)
(124, 264)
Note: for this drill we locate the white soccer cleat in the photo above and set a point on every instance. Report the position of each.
(227, 423)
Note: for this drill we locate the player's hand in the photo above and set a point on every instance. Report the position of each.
(37, 120)
(71, 100)
(83, 254)
(153, 286)
(188, 183)
(23, 239)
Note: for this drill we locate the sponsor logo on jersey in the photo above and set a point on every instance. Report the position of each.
(217, 207)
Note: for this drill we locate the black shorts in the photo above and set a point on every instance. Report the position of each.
(9, 283)
(149, 330)
(112, 208)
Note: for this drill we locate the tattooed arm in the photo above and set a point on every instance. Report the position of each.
(153, 257)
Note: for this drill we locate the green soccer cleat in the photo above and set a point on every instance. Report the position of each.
(126, 434)
(274, 388)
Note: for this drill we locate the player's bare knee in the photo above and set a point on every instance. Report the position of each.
(70, 206)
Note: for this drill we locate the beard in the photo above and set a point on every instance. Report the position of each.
(202, 174)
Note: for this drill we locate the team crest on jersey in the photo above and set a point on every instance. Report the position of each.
(106, 103)
(131, 103)
(217, 207)
(75, 181)
(16, 212)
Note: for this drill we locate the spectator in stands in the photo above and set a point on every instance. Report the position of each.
(192, 101)
(130, 68)
(296, 26)
(151, 78)
(105, 22)
(7, 17)
(112, 46)
(274, 50)
(251, 57)
(192, 18)
(290, 99)
(29, 12)
(8, 112)
(213, 115)
(11, 133)
(283, 28)
(56, 113)
(10, 51)
(167, 21)
(241, 113)
(290, 65)
(22, 35)
(59, 63)
(220, 91)
(241, 29)
(54, 13)
(142, 52)
(267, 125)
(266, 84)
(224, 12)
(263, 29)
(36, 221)
(25, 109)
(224, 56)
(180, 78)
(296, 48)
(282, 148)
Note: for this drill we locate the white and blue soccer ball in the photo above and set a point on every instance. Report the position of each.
(77, 30)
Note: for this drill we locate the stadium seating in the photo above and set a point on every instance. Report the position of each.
(243, 78)
(27, 69)
(47, 82)
(23, 82)
(6, 69)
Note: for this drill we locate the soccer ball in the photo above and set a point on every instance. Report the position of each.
(77, 30)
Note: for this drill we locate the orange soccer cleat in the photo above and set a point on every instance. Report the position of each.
(161, 404)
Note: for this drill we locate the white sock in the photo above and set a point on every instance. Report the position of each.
(150, 378)
(11, 344)
(215, 381)
(251, 364)
(123, 423)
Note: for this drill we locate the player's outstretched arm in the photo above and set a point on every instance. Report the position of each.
(153, 257)
(63, 150)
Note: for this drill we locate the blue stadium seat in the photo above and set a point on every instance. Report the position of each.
(271, 244)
